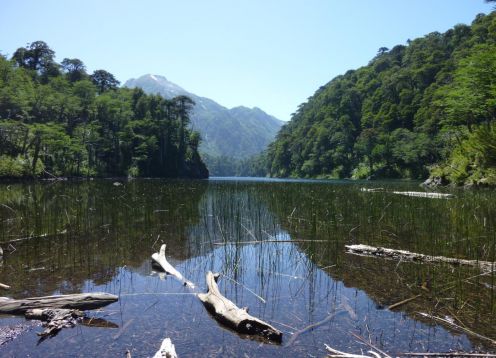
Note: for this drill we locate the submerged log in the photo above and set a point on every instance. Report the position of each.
(55, 319)
(167, 350)
(404, 255)
(231, 315)
(422, 194)
(81, 301)
(160, 259)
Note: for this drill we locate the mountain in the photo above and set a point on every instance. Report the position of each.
(239, 132)
(427, 106)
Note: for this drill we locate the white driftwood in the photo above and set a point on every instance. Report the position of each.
(81, 301)
(413, 256)
(231, 315)
(160, 259)
(167, 350)
(422, 194)
(4, 286)
(371, 190)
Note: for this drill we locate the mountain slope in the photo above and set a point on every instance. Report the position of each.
(239, 132)
(401, 114)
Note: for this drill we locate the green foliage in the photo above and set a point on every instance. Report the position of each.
(398, 116)
(72, 124)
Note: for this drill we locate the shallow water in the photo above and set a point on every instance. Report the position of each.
(97, 236)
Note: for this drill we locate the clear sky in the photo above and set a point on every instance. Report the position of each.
(272, 54)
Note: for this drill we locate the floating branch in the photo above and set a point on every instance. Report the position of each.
(160, 259)
(404, 255)
(81, 301)
(422, 194)
(167, 350)
(231, 315)
(311, 327)
(454, 326)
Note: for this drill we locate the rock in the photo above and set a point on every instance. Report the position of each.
(434, 182)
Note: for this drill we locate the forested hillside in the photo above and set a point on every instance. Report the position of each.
(56, 119)
(428, 106)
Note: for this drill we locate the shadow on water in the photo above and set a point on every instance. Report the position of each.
(99, 237)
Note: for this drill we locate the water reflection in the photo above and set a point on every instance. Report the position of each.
(99, 237)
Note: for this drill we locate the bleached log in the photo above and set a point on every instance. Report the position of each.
(160, 259)
(167, 350)
(80, 301)
(371, 190)
(404, 255)
(231, 315)
(55, 319)
(4, 286)
(422, 194)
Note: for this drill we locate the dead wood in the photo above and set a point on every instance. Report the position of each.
(4, 286)
(265, 241)
(159, 258)
(312, 326)
(422, 194)
(167, 350)
(226, 312)
(81, 301)
(55, 319)
(404, 255)
(454, 326)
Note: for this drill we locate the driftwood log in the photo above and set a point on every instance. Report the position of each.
(80, 301)
(422, 194)
(167, 350)
(226, 312)
(55, 319)
(366, 250)
(4, 286)
(159, 258)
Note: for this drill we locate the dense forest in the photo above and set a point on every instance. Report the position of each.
(58, 120)
(426, 108)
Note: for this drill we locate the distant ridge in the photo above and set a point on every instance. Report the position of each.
(239, 132)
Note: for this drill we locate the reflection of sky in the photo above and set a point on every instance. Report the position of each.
(296, 291)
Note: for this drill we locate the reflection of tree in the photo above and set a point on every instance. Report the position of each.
(342, 214)
(92, 229)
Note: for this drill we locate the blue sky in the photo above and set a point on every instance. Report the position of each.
(273, 54)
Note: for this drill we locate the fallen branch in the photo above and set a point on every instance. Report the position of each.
(167, 350)
(160, 259)
(81, 301)
(231, 315)
(457, 327)
(422, 194)
(295, 335)
(401, 303)
(54, 319)
(5, 287)
(413, 256)
(263, 242)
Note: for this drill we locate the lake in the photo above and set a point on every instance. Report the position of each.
(280, 248)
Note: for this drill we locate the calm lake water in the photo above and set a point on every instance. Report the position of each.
(93, 236)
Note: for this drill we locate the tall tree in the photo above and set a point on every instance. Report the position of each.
(104, 81)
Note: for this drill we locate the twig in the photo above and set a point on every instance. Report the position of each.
(246, 288)
(370, 345)
(397, 304)
(455, 326)
(295, 336)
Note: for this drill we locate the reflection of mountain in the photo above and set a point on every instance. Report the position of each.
(238, 132)
(106, 227)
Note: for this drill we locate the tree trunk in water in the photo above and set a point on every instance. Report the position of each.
(229, 314)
